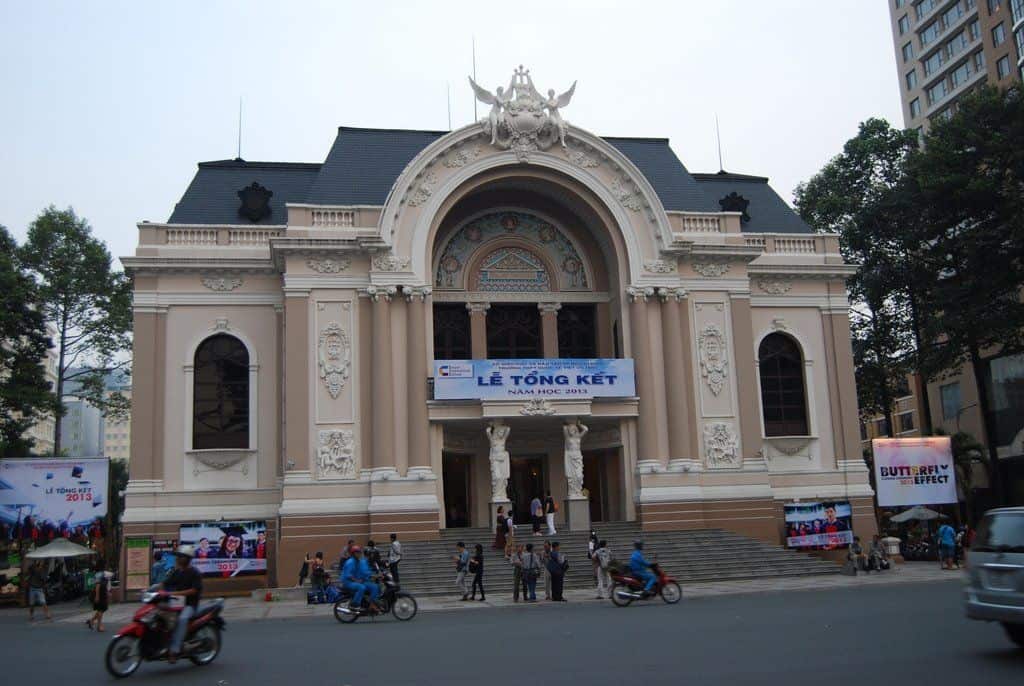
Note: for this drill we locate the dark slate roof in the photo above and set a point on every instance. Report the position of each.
(212, 197)
(768, 212)
(363, 165)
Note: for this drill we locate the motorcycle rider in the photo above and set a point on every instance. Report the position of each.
(356, 577)
(640, 568)
(184, 580)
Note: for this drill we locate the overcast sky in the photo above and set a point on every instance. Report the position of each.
(107, 107)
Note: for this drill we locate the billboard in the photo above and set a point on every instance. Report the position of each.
(227, 549)
(533, 378)
(819, 525)
(914, 471)
(62, 493)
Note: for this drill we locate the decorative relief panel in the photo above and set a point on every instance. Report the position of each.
(720, 446)
(774, 286)
(714, 360)
(514, 270)
(424, 189)
(711, 269)
(660, 266)
(390, 263)
(626, 192)
(580, 158)
(461, 156)
(335, 455)
(221, 283)
(335, 358)
(537, 407)
(329, 266)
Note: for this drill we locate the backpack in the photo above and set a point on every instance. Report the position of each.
(554, 505)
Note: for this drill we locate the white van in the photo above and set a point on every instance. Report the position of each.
(995, 568)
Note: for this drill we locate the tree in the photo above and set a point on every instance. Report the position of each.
(970, 192)
(860, 195)
(25, 394)
(88, 303)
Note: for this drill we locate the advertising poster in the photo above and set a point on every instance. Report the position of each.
(914, 471)
(819, 525)
(137, 563)
(228, 549)
(528, 379)
(59, 493)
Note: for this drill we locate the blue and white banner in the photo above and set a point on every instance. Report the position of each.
(548, 378)
(58, 492)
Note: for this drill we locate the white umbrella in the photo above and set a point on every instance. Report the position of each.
(918, 513)
(61, 547)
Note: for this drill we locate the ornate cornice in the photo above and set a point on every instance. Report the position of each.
(639, 293)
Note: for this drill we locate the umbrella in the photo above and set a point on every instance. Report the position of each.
(61, 547)
(918, 513)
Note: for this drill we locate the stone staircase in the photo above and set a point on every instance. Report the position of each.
(690, 556)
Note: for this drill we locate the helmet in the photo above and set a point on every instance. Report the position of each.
(186, 551)
(638, 544)
(355, 549)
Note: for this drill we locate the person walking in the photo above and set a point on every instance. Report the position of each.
(557, 567)
(510, 534)
(947, 545)
(518, 579)
(499, 530)
(100, 597)
(318, 576)
(394, 557)
(37, 591)
(461, 569)
(304, 571)
(531, 572)
(476, 565)
(536, 515)
(602, 563)
(549, 513)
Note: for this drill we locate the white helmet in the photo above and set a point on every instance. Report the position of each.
(186, 551)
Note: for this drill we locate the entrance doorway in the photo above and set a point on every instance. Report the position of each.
(595, 482)
(456, 478)
(527, 481)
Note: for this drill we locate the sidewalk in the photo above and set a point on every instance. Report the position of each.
(247, 609)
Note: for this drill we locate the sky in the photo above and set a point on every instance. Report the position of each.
(107, 107)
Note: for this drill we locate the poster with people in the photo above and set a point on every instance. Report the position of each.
(227, 549)
(52, 497)
(914, 471)
(819, 525)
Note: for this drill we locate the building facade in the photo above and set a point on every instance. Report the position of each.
(945, 48)
(289, 319)
(42, 432)
(81, 430)
(117, 433)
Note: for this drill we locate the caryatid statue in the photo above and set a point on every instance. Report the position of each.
(574, 432)
(497, 434)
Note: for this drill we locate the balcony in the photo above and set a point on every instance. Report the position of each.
(210, 236)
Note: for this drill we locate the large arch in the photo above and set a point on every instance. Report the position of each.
(591, 169)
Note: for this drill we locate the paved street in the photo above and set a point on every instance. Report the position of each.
(893, 633)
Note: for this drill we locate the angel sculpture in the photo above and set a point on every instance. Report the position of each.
(553, 104)
(497, 101)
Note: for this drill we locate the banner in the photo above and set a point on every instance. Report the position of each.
(819, 526)
(59, 493)
(914, 471)
(549, 378)
(137, 567)
(227, 549)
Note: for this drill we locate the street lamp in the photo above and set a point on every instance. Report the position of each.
(960, 412)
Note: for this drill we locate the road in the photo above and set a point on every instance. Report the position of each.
(906, 634)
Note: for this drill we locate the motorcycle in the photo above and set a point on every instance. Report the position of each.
(627, 588)
(392, 599)
(148, 635)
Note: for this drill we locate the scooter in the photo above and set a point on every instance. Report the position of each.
(148, 635)
(401, 605)
(627, 588)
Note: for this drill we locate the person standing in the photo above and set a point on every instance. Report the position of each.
(549, 513)
(318, 575)
(394, 556)
(602, 563)
(545, 557)
(531, 571)
(536, 515)
(510, 533)
(37, 591)
(100, 599)
(947, 545)
(518, 579)
(304, 571)
(476, 565)
(557, 567)
(499, 530)
(461, 569)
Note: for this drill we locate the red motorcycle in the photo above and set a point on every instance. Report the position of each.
(626, 588)
(148, 636)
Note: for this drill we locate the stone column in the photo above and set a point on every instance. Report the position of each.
(647, 434)
(842, 388)
(297, 378)
(383, 389)
(658, 374)
(746, 375)
(419, 423)
(478, 329)
(677, 388)
(549, 328)
(149, 388)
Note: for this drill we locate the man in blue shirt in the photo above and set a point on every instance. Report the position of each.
(356, 578)
(947, 545)
(641, 568)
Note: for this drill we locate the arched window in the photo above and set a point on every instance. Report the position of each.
(782, 386)
(220, 412)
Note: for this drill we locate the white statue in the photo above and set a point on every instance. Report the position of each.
(499, 99)
(553, 104)
(497, 434)
(574, 433)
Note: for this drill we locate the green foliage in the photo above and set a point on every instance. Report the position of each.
(87, 302)
(25, 393)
